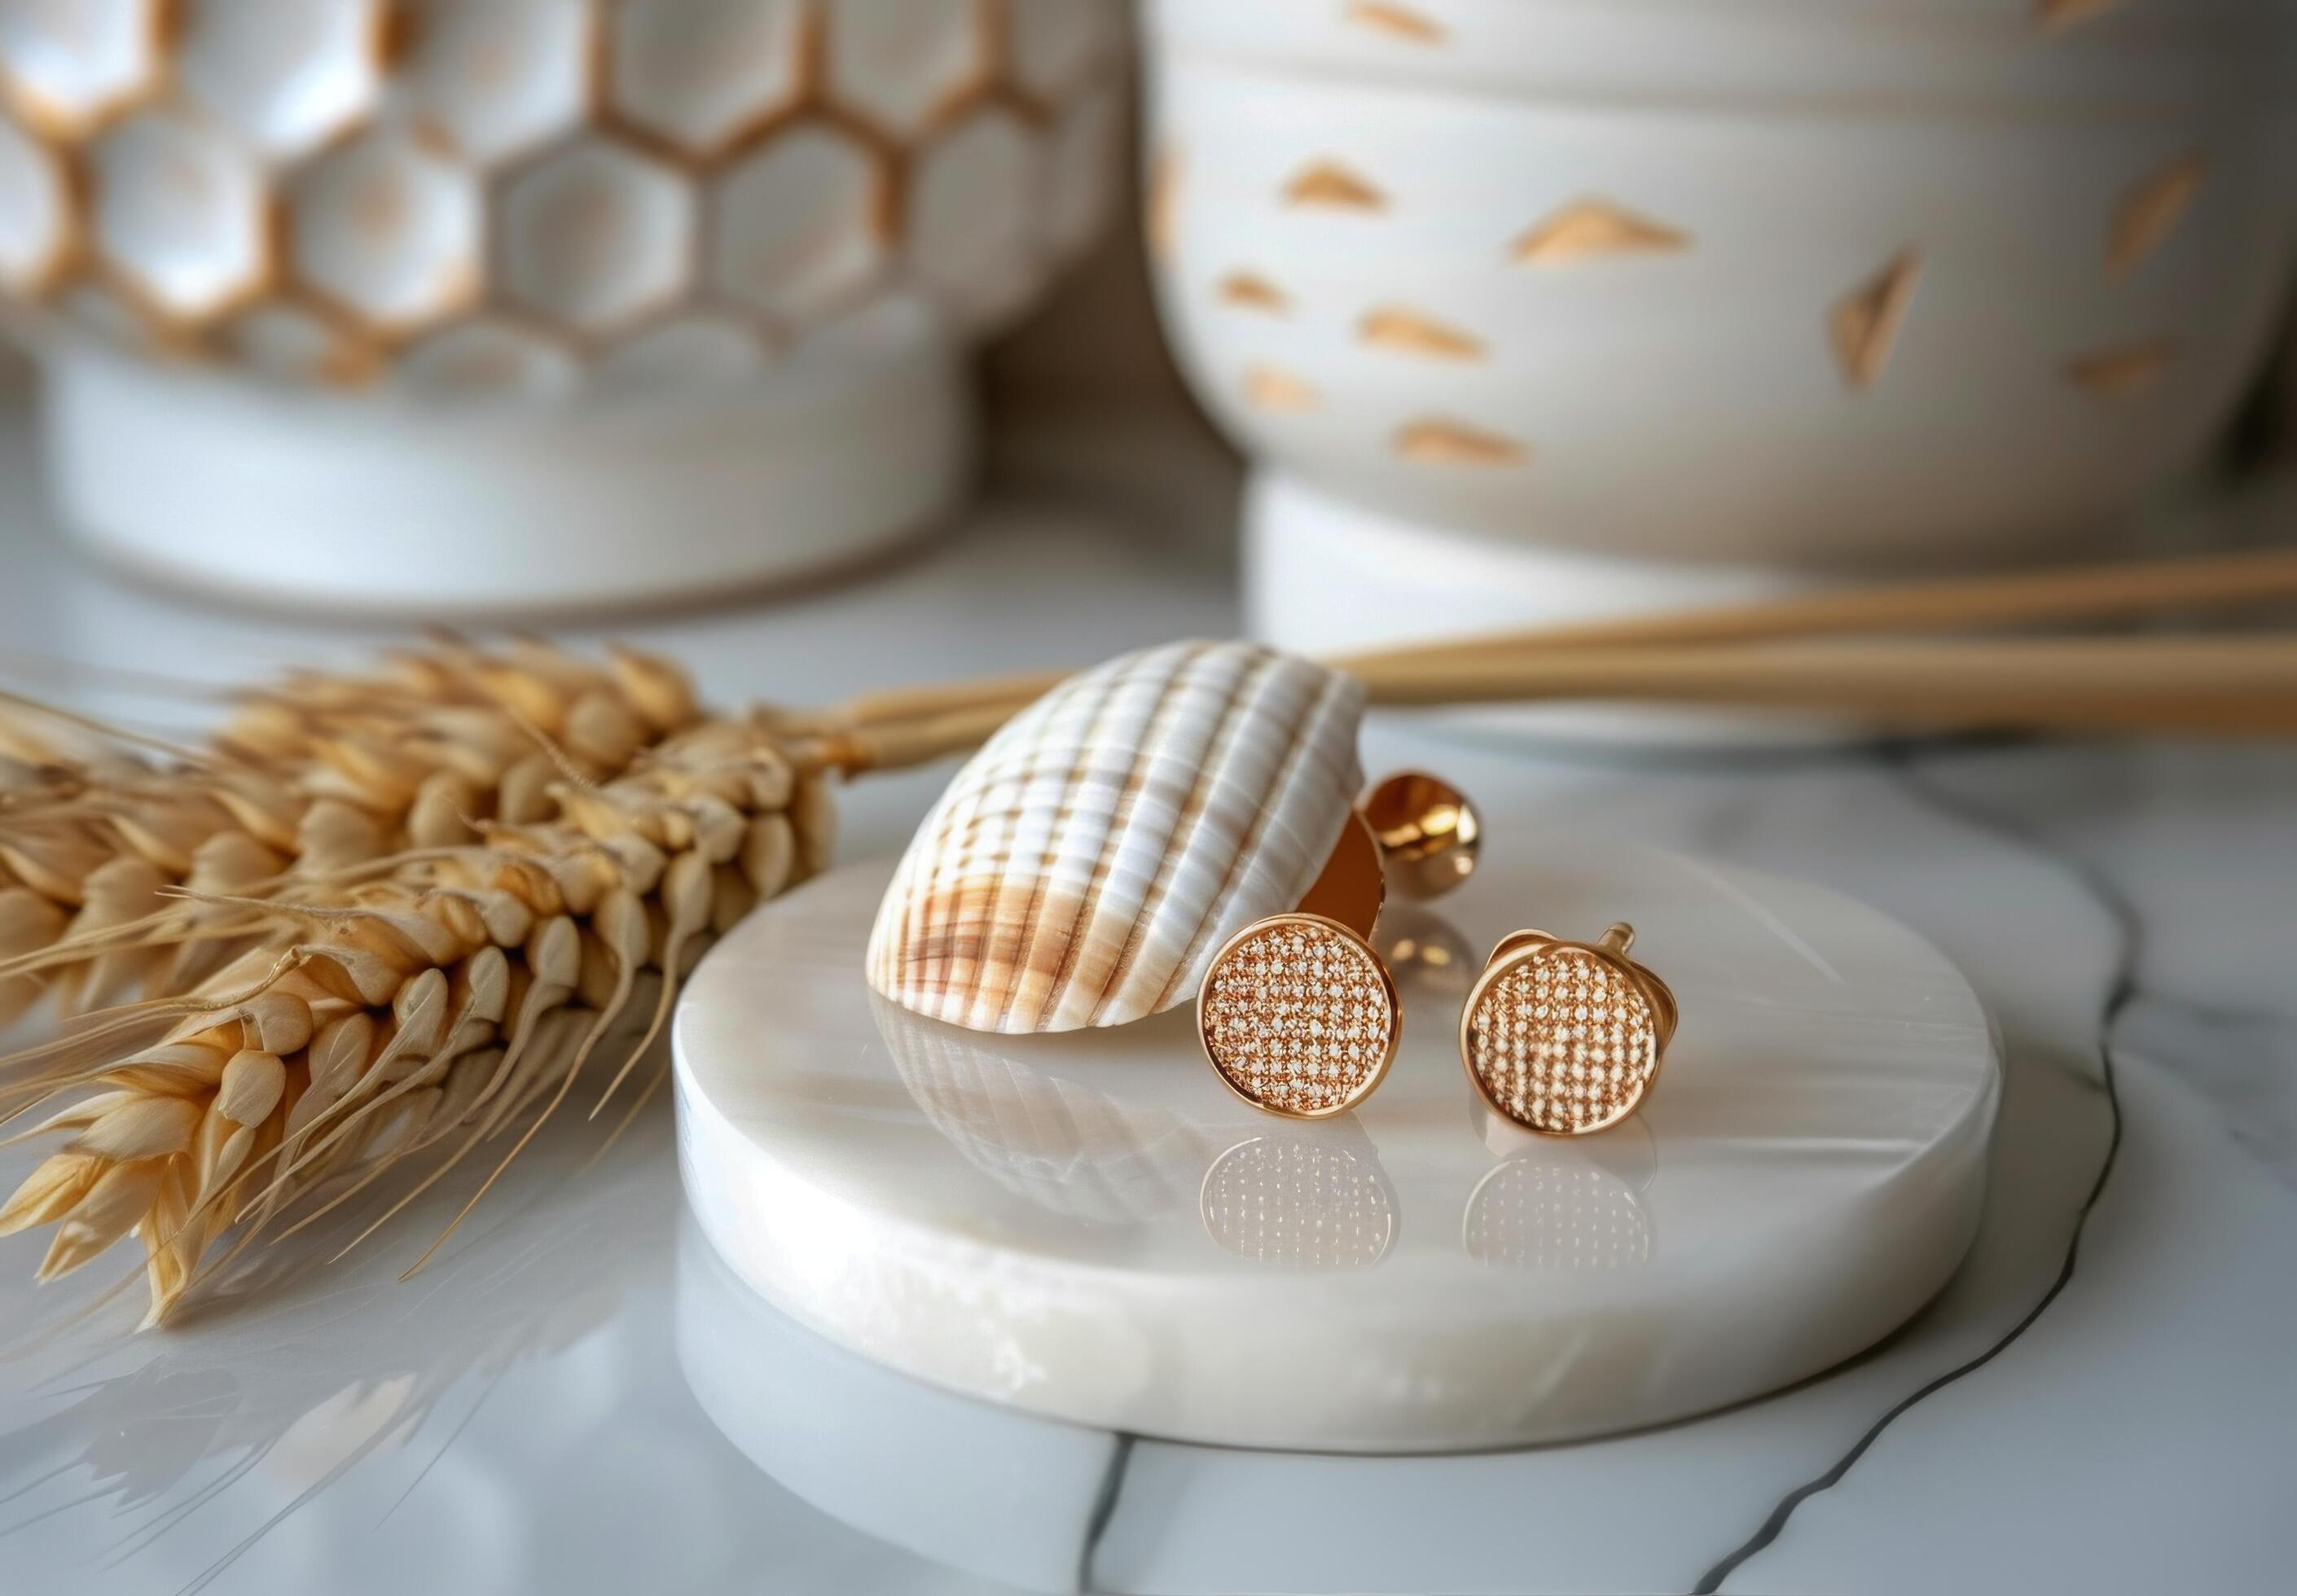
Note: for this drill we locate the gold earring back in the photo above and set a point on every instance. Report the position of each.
(1428, 834)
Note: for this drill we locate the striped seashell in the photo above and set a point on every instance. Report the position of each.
(1085, 866)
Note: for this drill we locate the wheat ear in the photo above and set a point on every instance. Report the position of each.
(317, 776)
(455, 1001)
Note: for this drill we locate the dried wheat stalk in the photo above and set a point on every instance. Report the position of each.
(449, 1002)
(316, 778)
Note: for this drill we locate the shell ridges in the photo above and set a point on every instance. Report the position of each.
(1084, 866)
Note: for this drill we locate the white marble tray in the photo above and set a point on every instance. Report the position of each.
(1088, 1227)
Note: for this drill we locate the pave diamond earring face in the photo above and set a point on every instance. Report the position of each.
(1565, 1038)
(1299, 1017)
(1297, 1014)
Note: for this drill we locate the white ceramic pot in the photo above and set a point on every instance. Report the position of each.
(1663, 303)
(508, 303)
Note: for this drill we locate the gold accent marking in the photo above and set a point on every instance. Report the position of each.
(1434, 441)
(1265, 387)
(2061, 15)
(2151, 211)
(1249, 291)
(1865, 324)
(1329, 184)
(1408, 332)
(2124, 372)
(1396, 21)
(1588, 228)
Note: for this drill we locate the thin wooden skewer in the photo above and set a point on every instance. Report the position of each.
(2089, 593)
(908, 703)
(899, 704)
(2053, 681)
(2113, 592)
(896, 746)
(2220, 686)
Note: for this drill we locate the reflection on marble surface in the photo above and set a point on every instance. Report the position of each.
(995, 1493)
(1307, 1197)
(1564, 1204)
(1426, 952)
(1298, 1195)
(1066, 1146)
(306, 1376)
(496, 1423)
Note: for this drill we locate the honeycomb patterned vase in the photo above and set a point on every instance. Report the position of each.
(1529, 311)
(505, 304)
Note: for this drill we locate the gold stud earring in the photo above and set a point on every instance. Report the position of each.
(1297, 1014)
(1299, 1017)
(1566, 1038)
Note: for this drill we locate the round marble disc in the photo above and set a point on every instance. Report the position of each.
(1090, 1226)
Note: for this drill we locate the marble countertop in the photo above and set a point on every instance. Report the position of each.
(2101, 1400)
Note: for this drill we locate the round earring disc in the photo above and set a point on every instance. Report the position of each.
(1560, 1039)
(1299, 1017)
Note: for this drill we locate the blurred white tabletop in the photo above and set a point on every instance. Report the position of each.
(570, 1400)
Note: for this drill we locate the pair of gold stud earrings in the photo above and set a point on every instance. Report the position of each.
(1299, 1015)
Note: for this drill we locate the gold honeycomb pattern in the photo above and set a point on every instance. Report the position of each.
(526, 196)
(1562, 1040)
(1298, 1017)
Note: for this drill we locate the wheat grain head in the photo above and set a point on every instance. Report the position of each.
(308, 782)
(454, 999)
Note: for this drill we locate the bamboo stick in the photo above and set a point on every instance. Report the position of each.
(2053, 681)
(2118, 591)
(2220, 686)
(896, 746)
(911, 704)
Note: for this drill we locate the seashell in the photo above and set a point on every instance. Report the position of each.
(1086, 865)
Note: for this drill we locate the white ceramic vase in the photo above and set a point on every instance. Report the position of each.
(1528, 308)
(503, 304)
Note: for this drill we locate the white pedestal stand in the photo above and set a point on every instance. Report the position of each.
(388, 505)
(1088, 1227)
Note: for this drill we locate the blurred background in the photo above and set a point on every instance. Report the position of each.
(1508, 313)
(826, 346)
